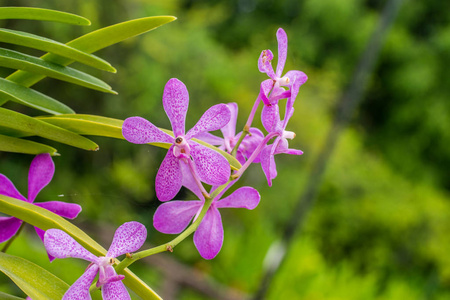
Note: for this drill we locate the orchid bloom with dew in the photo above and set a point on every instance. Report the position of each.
(277, 80)
(174, 216)
(128, 238)
(280, 144)
(40, 174)
(230, 138)
(206, 164)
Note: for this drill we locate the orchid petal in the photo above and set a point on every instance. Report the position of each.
(8, 189)
(265, 63)
(208, 238)
(268, 163)
(138, 130)
(115, 291)
(176, 102)
(174, 216)
(41, 173)
(128, 238)
(264, 90)
(61, 245)
(282, 51)
(229, 130)
(214, 118)
(270, 116)
(41, 235)
(8, 227)
(63, 209)
(168, 178)
(80, 289)
(212, 167)
(244, 197)
(189, 181)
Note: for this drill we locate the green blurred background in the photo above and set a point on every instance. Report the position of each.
(380, 225)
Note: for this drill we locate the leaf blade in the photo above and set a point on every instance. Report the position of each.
(44, 44)
(42, 14)
(16, 145)
(32, 279)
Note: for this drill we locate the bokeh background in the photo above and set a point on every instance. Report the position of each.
(379, 226)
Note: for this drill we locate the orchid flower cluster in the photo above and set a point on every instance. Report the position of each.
(193, 160)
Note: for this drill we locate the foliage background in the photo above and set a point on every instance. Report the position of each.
(379, 229)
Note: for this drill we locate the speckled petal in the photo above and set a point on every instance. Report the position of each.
(214, 118)
(212, 167)
(41, 234)
(268, 163)
(61, 245)
(129, 237)
(8, 227)
(208, 238)
(138, 130)
(282, 50)
(264, 90)
(174, 216)
(229, 130)
(244, 197)
(115, 291)
(270, 116)
(63, 209)
(209, 138)
(41, 173)
(265, 63)
(168, 178)
(188, 180)
(80, 289)
(176, 102)
(8, 189)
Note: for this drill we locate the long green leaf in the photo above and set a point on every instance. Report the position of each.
(16, 60)
(102, 126)
(12, 144)
(92, 42)
(45, 220)
(41, 14)
(5, 296)
(32, 98)
(15, 120)
(41, 43)
(32, 279)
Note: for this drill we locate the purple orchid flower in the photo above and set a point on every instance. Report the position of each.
(174, 216)
(208, 165)
(128, 238)
(230, 138)
(280, 144)
(40, 174)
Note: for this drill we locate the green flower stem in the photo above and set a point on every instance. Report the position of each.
(245, 132)
(173, 243)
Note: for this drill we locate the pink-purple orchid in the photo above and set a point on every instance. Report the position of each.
(40, 174)
(174, 216)
(206, 164)
(128, 238)
(230, 138)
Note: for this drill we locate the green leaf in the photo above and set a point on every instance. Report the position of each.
(45, 220)
(102, 126)
(41, 14)
(12, 144)
(16, 60)
(41, 43)
(32, 98)
(33, 280)
(92, 42)
(5, 296)
(17, 121)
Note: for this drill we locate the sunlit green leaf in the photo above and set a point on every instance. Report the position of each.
(92, 42)
(17, 60)
(102, 126)
(41, 14)
(32, 98)
(16, 145)
(45, 220)
(32, 279)
(41, 43)
(15, 120)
